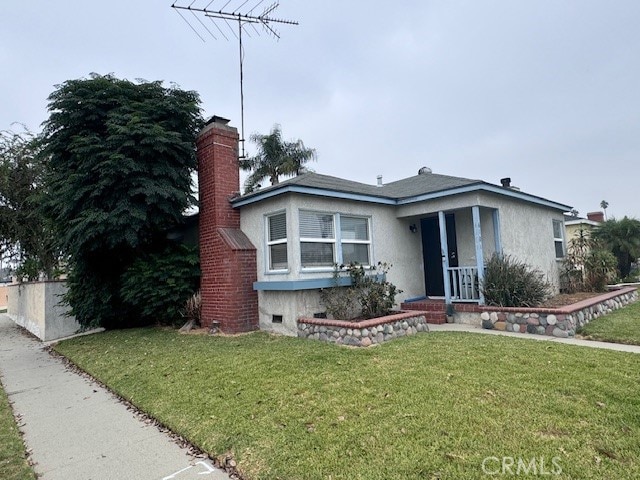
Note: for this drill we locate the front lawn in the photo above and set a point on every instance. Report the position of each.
(432, 406)
(621, 326)
(13, 463)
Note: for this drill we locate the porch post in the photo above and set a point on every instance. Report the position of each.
(444, 251)
(477, 236)
(497, 234)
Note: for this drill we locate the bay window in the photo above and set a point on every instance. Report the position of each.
(327, 239)
(277, 241)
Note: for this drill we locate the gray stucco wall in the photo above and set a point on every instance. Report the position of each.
(392, 242)
(527, 234)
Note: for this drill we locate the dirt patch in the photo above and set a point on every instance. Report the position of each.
(565, 299)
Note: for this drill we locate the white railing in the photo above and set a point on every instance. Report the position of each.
(464, 284)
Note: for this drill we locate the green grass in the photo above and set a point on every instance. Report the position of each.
(621, 326)
(13, 463)
(423, 407)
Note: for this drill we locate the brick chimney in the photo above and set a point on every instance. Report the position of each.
(596, 216)
(227, 256)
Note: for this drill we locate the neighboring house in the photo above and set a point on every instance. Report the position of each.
(574, 224)
(265, 255)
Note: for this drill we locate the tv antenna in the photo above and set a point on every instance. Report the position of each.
(245, 15)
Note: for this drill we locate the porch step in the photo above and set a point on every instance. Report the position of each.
(437, 318)
(434, 311)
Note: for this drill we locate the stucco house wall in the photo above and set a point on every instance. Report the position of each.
(391, 241)
(527, 234)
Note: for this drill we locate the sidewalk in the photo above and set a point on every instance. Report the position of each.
(77, 430)
(458, 327)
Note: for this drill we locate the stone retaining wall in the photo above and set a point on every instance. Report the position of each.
(364, 333)
(558, 322)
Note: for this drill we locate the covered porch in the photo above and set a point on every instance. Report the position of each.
(455, 245)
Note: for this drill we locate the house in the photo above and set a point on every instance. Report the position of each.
(574, 224)
(265, 255)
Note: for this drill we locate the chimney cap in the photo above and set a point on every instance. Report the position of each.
(217, 119)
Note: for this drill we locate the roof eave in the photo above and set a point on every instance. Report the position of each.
(487, 187)
(328, 193)
(320, 192)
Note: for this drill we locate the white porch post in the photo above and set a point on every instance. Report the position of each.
(497, 234)
(477, 236)
(444, 251)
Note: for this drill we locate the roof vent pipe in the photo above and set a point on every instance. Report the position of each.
(424, 171)
(379, 177)
(506, 182)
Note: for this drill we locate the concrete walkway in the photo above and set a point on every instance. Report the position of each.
(77, 430)
(458, 327)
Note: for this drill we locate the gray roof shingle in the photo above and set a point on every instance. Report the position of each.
(406, 188)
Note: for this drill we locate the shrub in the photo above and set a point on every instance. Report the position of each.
(192, 309)
(600, 268)
(588, 266)
(369, 296)
(511, 283)
(158, 285)
(341, 302)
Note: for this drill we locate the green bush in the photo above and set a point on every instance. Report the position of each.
(158, 285)
(600, 268)
(588, 266)
(369, 296)
(511, 283)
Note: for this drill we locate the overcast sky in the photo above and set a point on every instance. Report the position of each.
(544, 92)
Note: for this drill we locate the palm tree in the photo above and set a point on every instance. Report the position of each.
(622, 238)
(604, 204)
(275, 158)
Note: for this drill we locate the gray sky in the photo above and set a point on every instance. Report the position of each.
(546, 92)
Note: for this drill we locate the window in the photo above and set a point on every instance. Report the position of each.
(277, 241)
(355, 241)
(322, 233)
(317, 239)
(558, 238)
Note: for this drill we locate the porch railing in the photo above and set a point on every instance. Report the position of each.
(464, 284)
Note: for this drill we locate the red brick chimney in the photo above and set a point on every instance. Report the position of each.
(227, 256)
(596, 216)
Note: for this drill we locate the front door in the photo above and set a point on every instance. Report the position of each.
(432, 252)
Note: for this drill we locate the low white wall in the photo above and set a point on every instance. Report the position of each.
(3, 296)
(37, 307)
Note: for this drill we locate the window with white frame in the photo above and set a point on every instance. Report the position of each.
(558, 238)
(322, 233)
(355, 239)
(277, 241)
(317, 239)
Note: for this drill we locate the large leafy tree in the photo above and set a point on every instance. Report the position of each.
(26, 237)
(622, 238)
(275, 158)
(119, 161)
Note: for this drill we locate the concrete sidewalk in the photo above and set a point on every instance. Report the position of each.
(77, 430)
(458, 327)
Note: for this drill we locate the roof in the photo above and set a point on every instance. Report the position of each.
(417, 188)
(571, 220)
